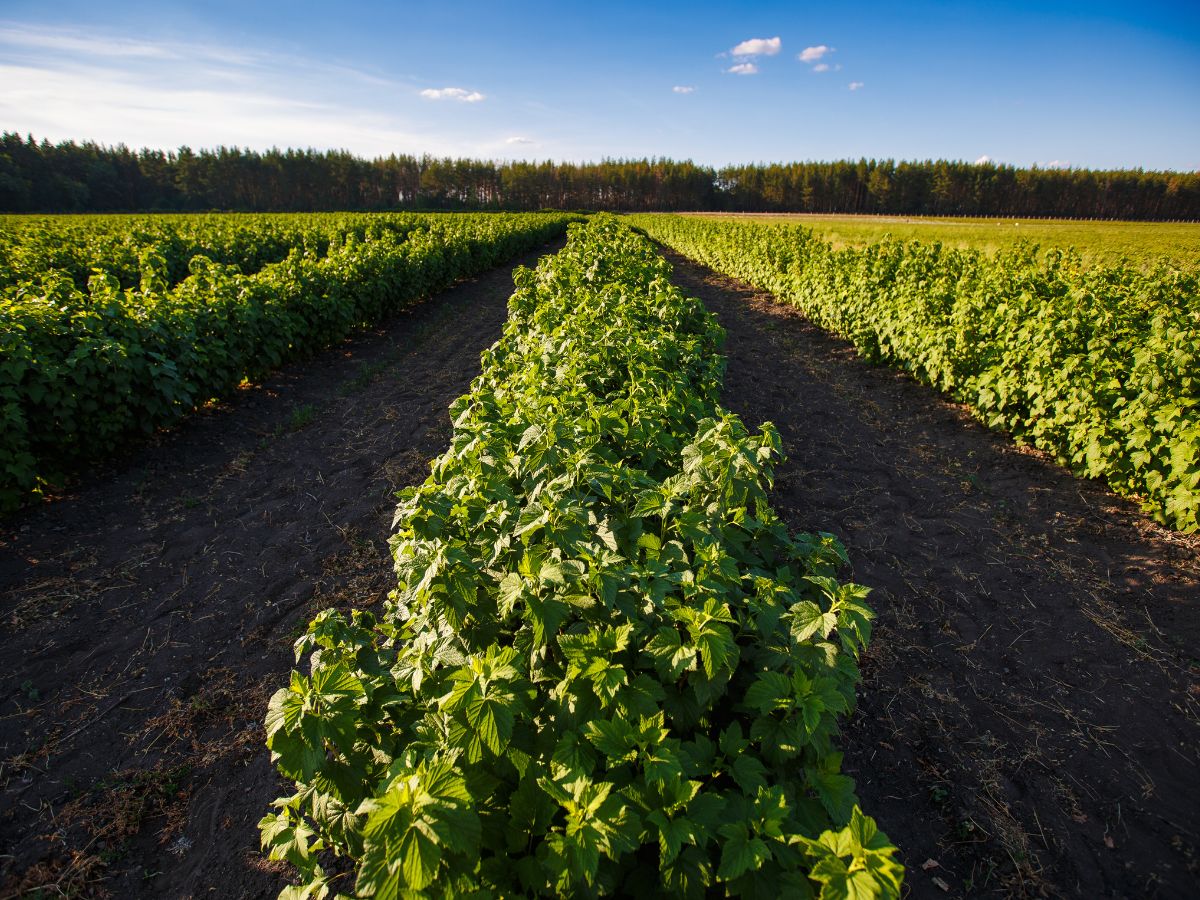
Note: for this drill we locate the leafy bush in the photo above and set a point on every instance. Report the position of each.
(81, 373)
(608, 668)
(1098, 366)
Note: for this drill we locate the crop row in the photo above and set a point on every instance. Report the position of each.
(1098, 366)
(81, 372)
(37, 251)
(607, 668)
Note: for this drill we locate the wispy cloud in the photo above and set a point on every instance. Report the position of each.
(96, 84)
(856, 85)
(758, 47)
(519, 140)
(91, 104)
(821, 67)
(743, 69)
(32, 38)
(684, 89)
(814, 54)
(462, 95)
(1057, 164)
(983, 160)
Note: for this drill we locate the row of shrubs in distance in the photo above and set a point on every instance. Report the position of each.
(1099, 366)
(82, 373)
(36, 250)
(608, 668)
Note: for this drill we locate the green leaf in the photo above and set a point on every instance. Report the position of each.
(551, 573)
(835, 791)
(749, 773)
(740, 853)
(770, 691)
(717, 648)
(613, 738)
(671, 657)
(493, 722)
(286, 838)
(420, 856)
(457, 827)
(807, 620)
(672, 835)
(662, 766)
(284, 710)
(733, 742)
(649, 542)
(379, 877)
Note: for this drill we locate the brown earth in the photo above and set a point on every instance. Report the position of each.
(1029, 710)
(1028, 720)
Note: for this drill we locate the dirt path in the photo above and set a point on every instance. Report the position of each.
(147, 618)
(1028, 717)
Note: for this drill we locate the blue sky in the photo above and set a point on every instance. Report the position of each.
(1078, 84)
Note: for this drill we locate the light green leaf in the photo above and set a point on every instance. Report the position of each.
(420, 857)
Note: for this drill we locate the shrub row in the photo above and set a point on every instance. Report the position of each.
(607, 668)
(83, 372)
(1099, 366)
(35, 250)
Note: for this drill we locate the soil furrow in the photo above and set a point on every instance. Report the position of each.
(1028, 722)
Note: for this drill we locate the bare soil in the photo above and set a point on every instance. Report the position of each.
(1027, 723)
(1028, 719)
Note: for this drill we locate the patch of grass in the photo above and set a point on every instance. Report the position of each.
(366, 373)
(240, 463)
(301, 416)
(209, 725)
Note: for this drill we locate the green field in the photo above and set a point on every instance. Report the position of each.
(606, 660)
(1144, 243)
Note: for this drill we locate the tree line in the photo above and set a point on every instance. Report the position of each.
(40, 176)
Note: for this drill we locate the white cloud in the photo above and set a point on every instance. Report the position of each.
(855, 85)
(743, 69)
(453, 93)
(821, 67)
(983, 160)
(91, 104)
(1057, 164)
(30, 38)
(683, 89)
(813, 54)
(758, 47)
(95, 84)
(519, 140)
